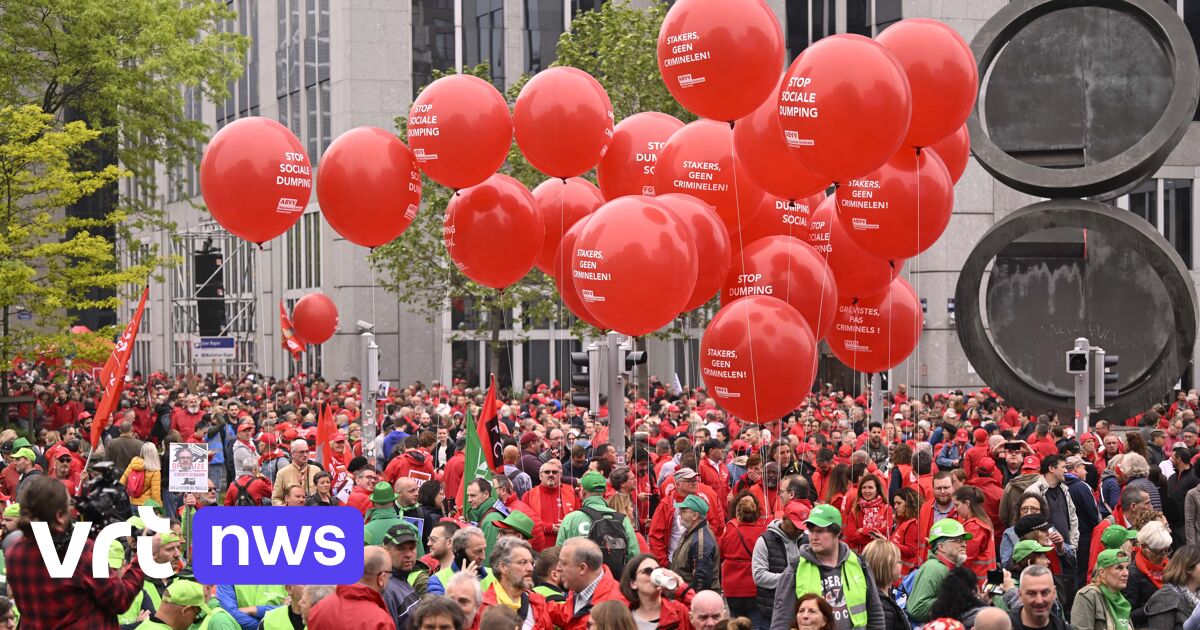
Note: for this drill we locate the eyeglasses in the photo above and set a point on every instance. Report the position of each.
(433, 539)
(646, 570)
(551, 472)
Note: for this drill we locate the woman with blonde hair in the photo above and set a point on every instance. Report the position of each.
(883, 558)
(1100, 605)
(143, 476)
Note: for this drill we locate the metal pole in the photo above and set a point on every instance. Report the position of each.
(370, 385)
(1082, 395)
(876, 398)
(616, 396)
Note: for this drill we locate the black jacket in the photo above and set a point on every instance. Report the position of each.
(1138, 590)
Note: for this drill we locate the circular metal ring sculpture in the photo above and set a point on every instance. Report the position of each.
(1133, 232)
(1113, 176)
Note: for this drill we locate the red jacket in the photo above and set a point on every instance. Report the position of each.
(541, 620)
(454, 476)
(360, 498)
(716, 477)
(856, 534)
(737, 548)
(562, 614)
(974, 455)
(144, 420)
(981, 549)
(352, 607)
(1117, 518)
(993, 494)
(258, 487)
(184, 422)
(550, 505)
(907, 540)
(408, 461)
(515, 503)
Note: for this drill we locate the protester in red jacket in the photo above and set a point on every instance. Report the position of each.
(358, 606)
(674, 612)
(550, 500)
(868, 516)
(737, 548)
(978, 452)
(403, 465)
(256, 486)
(981, 549)
(685, 483)
(986, 480)
(581, 564)
(907, 504)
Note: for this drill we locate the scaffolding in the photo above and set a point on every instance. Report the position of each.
(238, 270)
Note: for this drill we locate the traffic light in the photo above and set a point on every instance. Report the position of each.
(1077, 361)
(583, 381)
(634, 359)
(1104, 376)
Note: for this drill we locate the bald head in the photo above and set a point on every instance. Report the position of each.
(708, 608)
(407, 489)
(992, 618)
(511, 454)
(377, 564)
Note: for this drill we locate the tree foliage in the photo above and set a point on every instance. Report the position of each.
(50, 262)
(615, 44)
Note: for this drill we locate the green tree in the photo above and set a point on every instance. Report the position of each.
(50, 262)
(615, 44)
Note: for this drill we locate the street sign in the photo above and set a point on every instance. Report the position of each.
(24, 316)
(213, 349)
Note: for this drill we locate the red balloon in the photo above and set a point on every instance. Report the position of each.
(564, 121)
(856, 271)
(759, 358)
(627, 168)
(561, 204)
(789, 269)
(370, 188)
(698, 161)
(314, 318)
(255, 178)
(712, 244)
(779, 217)
(634, 265)
(460, 130)
(763, 152)
(900, 210)
(844, 124)
(493, 231)
(942, 73)
(954, 150)
(566, 281)
(877, 332)
(720, 58)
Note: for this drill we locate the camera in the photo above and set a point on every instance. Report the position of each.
(103, 500)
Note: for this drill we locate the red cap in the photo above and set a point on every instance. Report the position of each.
(83, 415)
(1088, 436)
(528, 438)
(338, 437)
(845, 451)
(981, 436)
(290, 435)
(1032, 464)
(962, 435)
(673, 409)
(797, 513)
(986, 465)
(283, 426)
(268, 438)
(246, 424)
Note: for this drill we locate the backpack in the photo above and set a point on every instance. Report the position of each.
(608, 531)
(243, 498)
(901, 597)
(135, 483)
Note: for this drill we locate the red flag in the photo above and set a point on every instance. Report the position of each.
(325, 430)
(491, 430)
(113, 374)
(290, 342)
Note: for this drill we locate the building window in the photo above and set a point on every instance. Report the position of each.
(808, 21)
(1167, 205)
(184, 180)
(316, 76)
(243, 93)
(304, 253)
(483, 36)
(869, 17)
(287, 65)
(1189, 10)
(433, 40)
(543, 26)
(579, 6)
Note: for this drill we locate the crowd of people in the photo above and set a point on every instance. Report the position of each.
(955, 511)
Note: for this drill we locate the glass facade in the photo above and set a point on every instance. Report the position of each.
(483, 36)
(432, 40)
(287, 65)
(543, 26)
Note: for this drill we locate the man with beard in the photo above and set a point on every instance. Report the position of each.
(947, 549)
(876, 449)
(512, 563)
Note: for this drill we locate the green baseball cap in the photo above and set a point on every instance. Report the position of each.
(1115, 535)
(168, 537)
(518, 522)
(694, 503)
(20, 443)
(136, 522)
(400, 534)
(383, 493)
(13, 509)
(1026, 547)
(824, 515)
(1109, 557)
(948, 528)
(593, 481)
(26, 453)
(186, 593)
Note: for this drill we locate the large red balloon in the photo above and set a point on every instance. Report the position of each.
(712, 244)
(877, 332)
(370, 187)
(900, 210)
(778, 217)
(460, 130)
(856, 271)
(566, 281)
(698, 161)
(314, 318)
(493, 231)
(634, 265)
(720, 58)
(564, 121)
(954, 150)
(844, 124)
(758, 358)
(789, 269)
(255, 178)
(941, 72)
(763, 152)
(562, 203)
(627, 168)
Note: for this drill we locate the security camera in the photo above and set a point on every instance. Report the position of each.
(365, 327)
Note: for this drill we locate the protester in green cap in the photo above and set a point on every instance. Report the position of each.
(515, 524)
(399, 593)
(828, 567)
(182, 603)
(1117, 537)
(698, 558)
(1025, 554)
(23, 462)
(594, 510)
(383, 516)
(947, 549)
(1100, 605)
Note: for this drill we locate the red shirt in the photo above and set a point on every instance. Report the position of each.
(258, 487)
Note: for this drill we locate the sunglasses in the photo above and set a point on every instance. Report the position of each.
(646, 570)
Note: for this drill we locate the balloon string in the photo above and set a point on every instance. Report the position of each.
(558, 320)
(737, 204)
(916, 274)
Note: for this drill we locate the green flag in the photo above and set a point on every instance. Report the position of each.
(475, 466)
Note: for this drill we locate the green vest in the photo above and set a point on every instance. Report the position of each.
(152, 625)
(445, 574)
(131, 615)
(213, 613)
(854, 585)
(277, 619)
(547, 592)
(258, 595)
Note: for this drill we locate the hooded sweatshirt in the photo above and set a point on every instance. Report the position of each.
(785, 595)
(410, 460)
